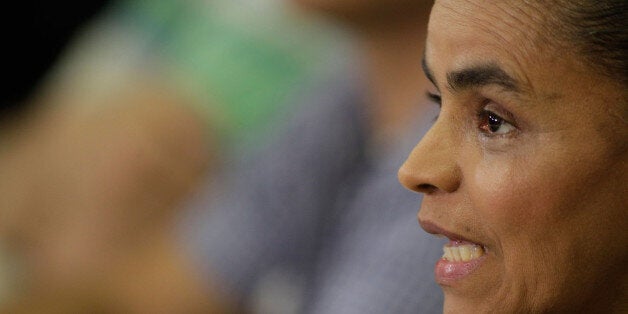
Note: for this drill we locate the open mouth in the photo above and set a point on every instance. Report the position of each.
(460, 259)
(462, 251)
(461, 256)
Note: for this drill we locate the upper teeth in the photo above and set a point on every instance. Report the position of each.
(462, 253)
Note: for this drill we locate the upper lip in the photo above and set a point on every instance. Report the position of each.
(433, 228)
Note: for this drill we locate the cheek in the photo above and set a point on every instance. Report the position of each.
(515, 201)
(503, 192)
(543, 198)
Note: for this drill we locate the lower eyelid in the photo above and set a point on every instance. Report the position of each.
(508, 135)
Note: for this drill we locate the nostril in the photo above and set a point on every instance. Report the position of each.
(426, 188)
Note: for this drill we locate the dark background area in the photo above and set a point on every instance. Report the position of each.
(34, 33)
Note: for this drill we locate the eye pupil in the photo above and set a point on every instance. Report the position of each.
(494, 122)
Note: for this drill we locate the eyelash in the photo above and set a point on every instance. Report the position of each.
(435, 98)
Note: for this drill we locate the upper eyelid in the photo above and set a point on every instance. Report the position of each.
(504, 114)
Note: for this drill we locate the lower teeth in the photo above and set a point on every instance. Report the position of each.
(462, 253)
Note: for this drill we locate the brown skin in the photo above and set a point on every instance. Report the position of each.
(545, 191)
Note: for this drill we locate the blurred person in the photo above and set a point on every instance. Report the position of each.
(39, 32)
(109, 135)
(66, 167)
(524, 171)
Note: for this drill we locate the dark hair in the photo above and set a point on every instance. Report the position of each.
(34, 33)
(599, 28)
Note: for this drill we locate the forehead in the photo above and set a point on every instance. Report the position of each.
(511, 34)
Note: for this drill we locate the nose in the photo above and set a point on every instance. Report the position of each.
(432, 165)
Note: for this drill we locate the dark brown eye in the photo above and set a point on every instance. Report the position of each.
(491, 123)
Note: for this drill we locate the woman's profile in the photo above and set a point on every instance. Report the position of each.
(525, 168)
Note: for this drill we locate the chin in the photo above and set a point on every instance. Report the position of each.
(455, 305)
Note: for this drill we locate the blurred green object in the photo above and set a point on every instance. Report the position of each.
(242, 60)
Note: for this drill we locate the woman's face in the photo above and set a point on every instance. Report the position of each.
(524, 170)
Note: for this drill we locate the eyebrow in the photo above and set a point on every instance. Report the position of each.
(475, 77)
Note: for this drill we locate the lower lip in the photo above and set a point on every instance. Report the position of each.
(448, 273)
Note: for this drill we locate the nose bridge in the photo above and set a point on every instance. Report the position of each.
(433, 164)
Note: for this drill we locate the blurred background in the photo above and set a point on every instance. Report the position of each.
(73, 68)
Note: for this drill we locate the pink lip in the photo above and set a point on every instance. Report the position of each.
(446, 272)
(432, 228)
